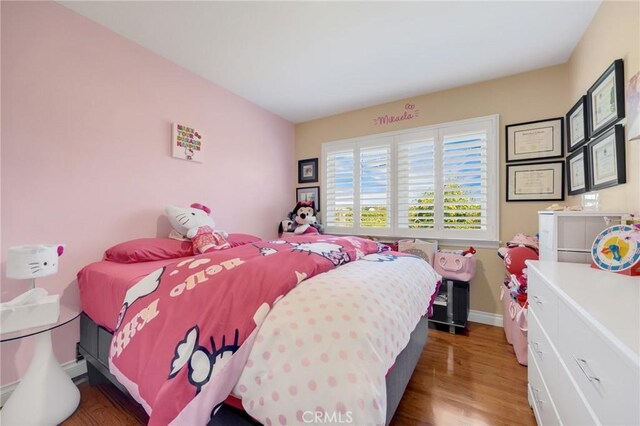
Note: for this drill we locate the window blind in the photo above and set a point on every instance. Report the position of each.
(416, 184)
(340, 188)
(375, 197)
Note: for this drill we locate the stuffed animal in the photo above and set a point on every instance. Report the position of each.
(195, 224)
(302, 220)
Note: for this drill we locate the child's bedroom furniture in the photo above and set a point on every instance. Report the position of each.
(566, 236)
(451, 307)
(46, 394)
(584, 345)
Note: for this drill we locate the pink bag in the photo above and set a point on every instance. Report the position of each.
(519, 333)
(455, 266)
(507, 321)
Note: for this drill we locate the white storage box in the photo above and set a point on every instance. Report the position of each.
(420, 248)
(43, 312)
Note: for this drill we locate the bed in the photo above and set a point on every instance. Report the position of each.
(361, 269)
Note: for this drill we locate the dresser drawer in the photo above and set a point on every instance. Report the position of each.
(609, 381)
(544, 303)
(571, 407)
(539, 396)
(540, 347)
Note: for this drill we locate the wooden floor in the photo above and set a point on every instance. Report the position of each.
(464, 379)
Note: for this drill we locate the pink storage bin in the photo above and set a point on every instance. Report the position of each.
(519, 332)
(455, 266)
(507, 320)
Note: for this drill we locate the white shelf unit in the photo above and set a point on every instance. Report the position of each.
(567, 236)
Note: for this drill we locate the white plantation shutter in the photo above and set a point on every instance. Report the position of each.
(375, 197)
(464, 182)
(416, 183)
(432, 182)
(339, 188)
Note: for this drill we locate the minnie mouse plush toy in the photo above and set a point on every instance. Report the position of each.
(303, 220)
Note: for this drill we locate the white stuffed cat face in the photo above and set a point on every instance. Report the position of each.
(33, 261)
(184, 218)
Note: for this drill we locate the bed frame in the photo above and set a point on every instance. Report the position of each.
(95, 342)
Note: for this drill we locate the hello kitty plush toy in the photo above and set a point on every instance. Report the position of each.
(196, 224)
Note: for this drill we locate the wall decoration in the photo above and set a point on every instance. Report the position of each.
(577, 172)
(311, 193)
(632, 93)
(186, 143)
(577, 129)
(535, 140)
(308, 170)
(606, 99)
(410, 112)
(535, 181)
(607, 159)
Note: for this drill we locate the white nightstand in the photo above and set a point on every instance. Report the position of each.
(46, 394)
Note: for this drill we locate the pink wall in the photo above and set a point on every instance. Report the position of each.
(86, 158)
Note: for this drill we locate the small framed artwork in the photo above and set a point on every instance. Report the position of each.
(607, 159)
(311, 193)
(535, 181)
(186, 143)
(606, 98)
(632, 95)
(577, 129)
(535, 140)
(577, 172)
(308, 170)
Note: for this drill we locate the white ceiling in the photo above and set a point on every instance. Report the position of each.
(305, 60)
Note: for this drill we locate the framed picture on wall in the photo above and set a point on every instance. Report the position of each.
(607, 159)
(577, 129)
(606, 98)
(535, 181)
(311, 193)
(535, 140)
(308, 170)
(577, 172)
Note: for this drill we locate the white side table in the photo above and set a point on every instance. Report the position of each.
(46, 395)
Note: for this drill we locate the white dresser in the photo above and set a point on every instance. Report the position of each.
(566, 236)
(584, 345)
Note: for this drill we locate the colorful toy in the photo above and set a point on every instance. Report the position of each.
(302, 220)
(617, 249)
(514, 259)
(196, 225)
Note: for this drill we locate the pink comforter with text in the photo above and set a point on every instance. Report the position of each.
(185, 331)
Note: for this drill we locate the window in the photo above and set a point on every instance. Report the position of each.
(436, 182)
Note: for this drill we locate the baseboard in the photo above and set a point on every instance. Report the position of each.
(485, 318)
(72, 368)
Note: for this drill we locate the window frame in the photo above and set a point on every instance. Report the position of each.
(488, 237)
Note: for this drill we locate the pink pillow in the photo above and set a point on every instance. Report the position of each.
(150, 249)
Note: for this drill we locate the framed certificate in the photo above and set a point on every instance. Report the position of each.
(606, 98)
(535, 181)
(577, 175)
(577, 129)
(535, 140)
(607, 159)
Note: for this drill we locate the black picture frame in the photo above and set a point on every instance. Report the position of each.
(580, 109)
(615, 71)
(619, 175)
(554, 126)
(315, 190)
(557, 183)
(572, 159)
(308, 170)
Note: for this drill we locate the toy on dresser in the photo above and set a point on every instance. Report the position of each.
(617, 249)
(302, 220)
(195, 224)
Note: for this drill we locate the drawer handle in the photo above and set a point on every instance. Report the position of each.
(537, 299)
(536, 394)
(536, 348)
(582, 364)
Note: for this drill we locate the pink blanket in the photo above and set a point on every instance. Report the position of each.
(185, 331)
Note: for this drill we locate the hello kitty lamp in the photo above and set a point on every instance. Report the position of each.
(33, 261)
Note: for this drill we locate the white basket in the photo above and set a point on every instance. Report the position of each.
(421, 248)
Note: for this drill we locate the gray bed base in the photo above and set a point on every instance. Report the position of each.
(95, 342)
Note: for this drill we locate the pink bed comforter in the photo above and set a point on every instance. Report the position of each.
(185, 331)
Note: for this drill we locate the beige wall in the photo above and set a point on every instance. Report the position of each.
(614, 33)
(529, 96)
(545, 93)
